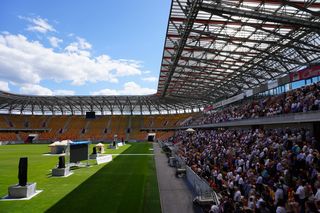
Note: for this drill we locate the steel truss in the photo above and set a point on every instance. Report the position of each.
(218, 48)
(129, 105)
(213, 49)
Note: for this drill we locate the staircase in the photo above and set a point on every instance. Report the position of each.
(129, 127)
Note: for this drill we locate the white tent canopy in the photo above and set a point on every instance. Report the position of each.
(55, 143)
(100, 145)
(190, 130)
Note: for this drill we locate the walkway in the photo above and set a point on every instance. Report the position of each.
(175, 195)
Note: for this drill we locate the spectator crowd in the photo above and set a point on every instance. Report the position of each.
(274, 170)
(303, 99)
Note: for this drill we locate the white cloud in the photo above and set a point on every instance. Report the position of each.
(80, 47)
(29, 62)
(150, 79)
(4, 86)
(146, 72)
(129, 88)
(106, 92)
(63, 92)
(54, 41)
(83, 44)
(38, 24)
(33, 89)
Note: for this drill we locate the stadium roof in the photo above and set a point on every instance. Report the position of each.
(213, 49)
(149, 104)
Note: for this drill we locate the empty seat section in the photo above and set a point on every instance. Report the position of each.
(54, 124)
(136, 124)
(36, 121)
(18, 121)
(3, 122)
(8, 136)
(96, 127)
(74, 128)
(147, 121)
(122, 127)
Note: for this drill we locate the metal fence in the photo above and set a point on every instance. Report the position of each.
(199, 185)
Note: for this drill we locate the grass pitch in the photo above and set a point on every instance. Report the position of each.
(127, 184)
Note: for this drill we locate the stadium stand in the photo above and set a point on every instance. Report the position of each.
(251, 64)
(3, 122)
(36, 121)
(135, 130)
(96, 128)
(303, 99)
(17, 121)
(73, 128)
(76, 127)
(8, 136)
(255, 169)
(56, 126)
(148, 121)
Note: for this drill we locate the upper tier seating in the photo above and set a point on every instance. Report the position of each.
(303, 99)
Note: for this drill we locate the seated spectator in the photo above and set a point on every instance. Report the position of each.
(274, 170)
(302, 99)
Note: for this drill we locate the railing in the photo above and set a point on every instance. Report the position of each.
(200, 186)
(301, 117)
(311, 116)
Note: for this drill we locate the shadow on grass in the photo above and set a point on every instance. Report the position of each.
(127, 184)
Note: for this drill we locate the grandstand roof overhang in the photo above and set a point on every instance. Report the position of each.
(149, 104)
(218, 48)
(213, 49)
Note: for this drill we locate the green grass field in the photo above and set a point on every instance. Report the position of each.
(127, 184)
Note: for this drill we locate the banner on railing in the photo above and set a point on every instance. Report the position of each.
(305, 73)
(224, 102)
(272, 84)
(233, 99)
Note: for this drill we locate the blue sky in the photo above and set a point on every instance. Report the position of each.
(79, 47)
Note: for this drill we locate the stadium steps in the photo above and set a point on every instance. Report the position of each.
(7, 120)
(66, 124)
(129, 127)
(105, 135)
(107, 126)
(86, 127)
(109, 123)
(4, 122)
(46, 121)
(18, 137)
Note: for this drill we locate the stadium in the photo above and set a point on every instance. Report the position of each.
(234, 125)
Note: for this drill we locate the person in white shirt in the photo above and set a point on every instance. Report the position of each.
(301, 192)
(279, 195)
(259, 202)
(237, 196)
(317, 195)
(214, 209)
(281, 209)
(251, 202)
